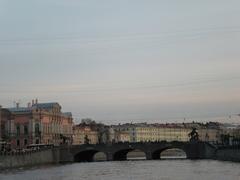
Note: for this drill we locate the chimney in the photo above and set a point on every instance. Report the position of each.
(32, 102)
(36, 101)
(17, 105)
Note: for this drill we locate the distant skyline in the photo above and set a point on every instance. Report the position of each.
(123, 61)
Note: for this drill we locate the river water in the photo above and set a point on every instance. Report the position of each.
(130, 170)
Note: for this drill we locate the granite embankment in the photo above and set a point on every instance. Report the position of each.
(21, 159)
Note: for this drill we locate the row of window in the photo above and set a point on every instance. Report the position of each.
(25, 142)
(18, 128)
(25, 129)
(54, 128)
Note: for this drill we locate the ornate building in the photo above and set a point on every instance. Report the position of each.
(39, 123)
(5, 117)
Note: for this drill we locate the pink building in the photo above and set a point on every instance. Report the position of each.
(5, 116)
(39, 123)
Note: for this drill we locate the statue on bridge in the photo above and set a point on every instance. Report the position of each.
(194, 135)
(86, 140)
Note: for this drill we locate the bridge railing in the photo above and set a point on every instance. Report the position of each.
(119, 143)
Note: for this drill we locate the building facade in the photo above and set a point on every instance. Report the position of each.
(39, 123)
(209, 135)
(123, 137)
(85, 135)
(5, 126)
(143, 132)
(151, 133)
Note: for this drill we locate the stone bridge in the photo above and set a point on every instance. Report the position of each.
(118, 151)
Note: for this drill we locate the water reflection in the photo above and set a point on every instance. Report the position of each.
(173, 154)
(124, 170)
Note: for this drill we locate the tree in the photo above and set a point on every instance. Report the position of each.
(87, 121)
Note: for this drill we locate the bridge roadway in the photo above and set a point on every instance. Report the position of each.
(118, 151)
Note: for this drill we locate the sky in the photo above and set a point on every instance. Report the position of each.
(123, 61)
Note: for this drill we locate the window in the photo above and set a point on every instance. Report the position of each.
(37, 129)
(26, 130)
(25, 142)
(2, 130)
(3, 127)
(18, 142)
(37, 141)
(18, 130)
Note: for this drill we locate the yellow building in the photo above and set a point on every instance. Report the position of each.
(123, 136)
(154, 133)
(81, 133)
(209, 135)
(144, 132)
(119, 135)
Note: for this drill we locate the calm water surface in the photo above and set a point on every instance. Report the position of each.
(139, 170)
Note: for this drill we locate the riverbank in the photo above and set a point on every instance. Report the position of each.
(23, 159)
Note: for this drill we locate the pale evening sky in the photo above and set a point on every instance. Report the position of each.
(123, 61)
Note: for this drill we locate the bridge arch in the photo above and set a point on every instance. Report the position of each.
(87, 155)
(123, 154)
(100, 156)
(173, 153)
(157, 153)
(136, 154)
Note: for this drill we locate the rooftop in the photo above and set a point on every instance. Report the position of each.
(19, 109)
(67, 114)
(45, 105)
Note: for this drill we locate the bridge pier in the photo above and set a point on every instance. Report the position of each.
(192, 151)
(149, 155)
(109, 156)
